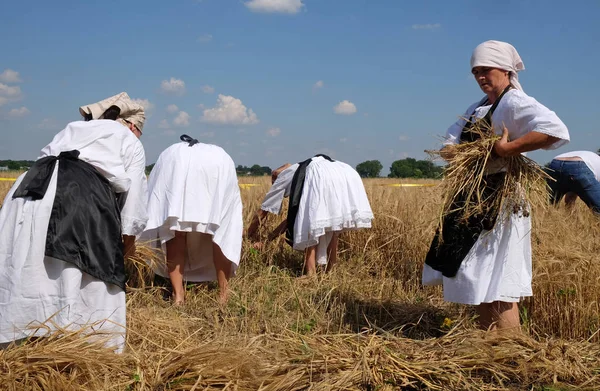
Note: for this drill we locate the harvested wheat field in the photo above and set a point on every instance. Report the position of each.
(368, 325)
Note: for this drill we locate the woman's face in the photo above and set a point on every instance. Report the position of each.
(491, 79)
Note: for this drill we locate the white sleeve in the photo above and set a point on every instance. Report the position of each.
(134, 214)
(530, 115)
(454, 131)
(279, 190)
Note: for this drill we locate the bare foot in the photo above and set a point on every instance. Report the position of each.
(178, 301)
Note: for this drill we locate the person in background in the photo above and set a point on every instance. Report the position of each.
(64, 224)
(195, 215)
(327, 197)
(575, 174)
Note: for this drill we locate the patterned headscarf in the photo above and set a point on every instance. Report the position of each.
(130, 110)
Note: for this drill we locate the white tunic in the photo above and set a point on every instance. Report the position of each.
(195, 189)
(498, 266)
(333, 200)
(35, 288)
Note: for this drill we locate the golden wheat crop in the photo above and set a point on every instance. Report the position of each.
(368, 325)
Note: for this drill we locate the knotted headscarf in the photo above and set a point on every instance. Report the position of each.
(130, 111)
(498, 54)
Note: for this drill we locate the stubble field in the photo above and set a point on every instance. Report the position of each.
(368, 325)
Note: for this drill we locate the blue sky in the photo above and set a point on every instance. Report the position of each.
(280, 80)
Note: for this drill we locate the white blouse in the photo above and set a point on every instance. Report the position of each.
(118, 155)
(520, 114)
(279, 190)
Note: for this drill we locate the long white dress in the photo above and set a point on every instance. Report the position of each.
(333, 200)
(36, 289)
(498, 266)
(195, 190)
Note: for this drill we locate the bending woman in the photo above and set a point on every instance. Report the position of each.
(487, 262)
(327, 197)
(195, 215)
(61, 246)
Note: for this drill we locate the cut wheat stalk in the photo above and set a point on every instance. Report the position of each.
(466, 182)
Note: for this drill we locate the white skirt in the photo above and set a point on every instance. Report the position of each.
(36, 289)
(497, 268)
(195, 190)
(333, 200)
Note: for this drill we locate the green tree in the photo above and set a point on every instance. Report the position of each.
(149, 168)
(412, 168)
(12, 165)
(369, 168)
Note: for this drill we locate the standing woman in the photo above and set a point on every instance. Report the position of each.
(64, 222)
(487, 263)
(327, 197)
(195, 214)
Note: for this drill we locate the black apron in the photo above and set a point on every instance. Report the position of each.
(459, 236)
(295, 196)
(85, 222)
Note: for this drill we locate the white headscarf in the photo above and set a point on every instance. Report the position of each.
(502, 55)
(130, 111)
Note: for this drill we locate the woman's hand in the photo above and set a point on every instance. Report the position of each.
(257, 245)
(502, 146)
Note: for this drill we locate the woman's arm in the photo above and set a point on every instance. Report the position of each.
(257, 221)
(529, 142)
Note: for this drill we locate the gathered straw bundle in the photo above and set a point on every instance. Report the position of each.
(465, 177)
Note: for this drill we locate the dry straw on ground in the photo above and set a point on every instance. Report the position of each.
(369, 325)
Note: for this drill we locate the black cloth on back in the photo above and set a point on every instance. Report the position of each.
(85, 222)
(459, 236)
(296, 195)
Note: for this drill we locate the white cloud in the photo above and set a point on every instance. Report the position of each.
(275, 6)
(9, 93)
(229, 111)
(164, 124)
(345, 108)
(208, 89)
(207, 134)
(18, 113)
(169, 132)
(205, 38)
(171, 109)
(146, 104)
(343, 140)
(3, 100)
(201, 106)
(434, 26)
(403, 137)
(318, 85)
(173, 86)
(182, 119)
(10, 76)
(274, 132)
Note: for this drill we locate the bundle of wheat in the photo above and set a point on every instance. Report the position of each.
(470, 190)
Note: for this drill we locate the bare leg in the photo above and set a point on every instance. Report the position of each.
(176, 249)
(332, 251)
(223, 268)
(310, 261)
(498, 315)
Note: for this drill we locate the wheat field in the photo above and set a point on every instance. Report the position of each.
(367, 325)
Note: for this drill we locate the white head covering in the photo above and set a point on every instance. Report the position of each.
(130, 111)
(502, 55)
